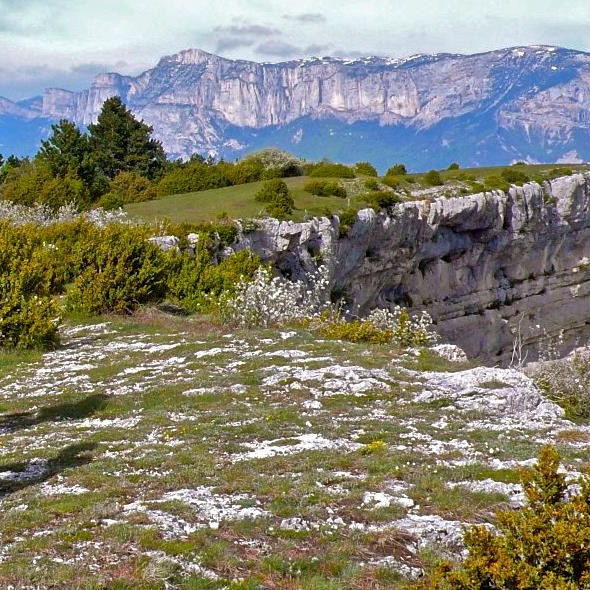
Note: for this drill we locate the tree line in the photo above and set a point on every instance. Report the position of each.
(117, 161)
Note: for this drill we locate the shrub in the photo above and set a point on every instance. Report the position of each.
(347, 219)
(276, 163)
(567, 382)
(513, 176)
(433, 178)
(110, 201)
(132, 188)
(371, 184)
(407, 330)
(276, 195)
(453, 166)
(197, 283)
(393, 182)
(545, 545)
(381, 199)
(365, 169)
(119, 269)
(272, 189)
(26, 322)
(382, 326)
(266, 300)
(558, 172)
(193, 176)
(324, 188)
(330, 170)
(397, 170)
(496, 183)
(29, 278)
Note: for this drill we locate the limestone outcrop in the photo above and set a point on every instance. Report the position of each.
(491, 268)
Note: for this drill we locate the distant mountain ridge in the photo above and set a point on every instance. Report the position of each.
(523, 103)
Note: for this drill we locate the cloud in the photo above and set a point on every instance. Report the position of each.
(316, 49)
(91, 69)
(229, 43)
(307, 17)
(247, 31)
(277, 48)
(243, 35)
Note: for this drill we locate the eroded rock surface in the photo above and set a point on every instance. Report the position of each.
(486, 267)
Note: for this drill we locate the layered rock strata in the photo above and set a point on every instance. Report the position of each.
(492, 269)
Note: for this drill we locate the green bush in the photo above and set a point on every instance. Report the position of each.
(365, 169)
(381, 199)
(191, 177)
(347, 219)
(324, 188)
(433, 178)
(29, 277)
(545, 545)
(197, 282)
(110, 201)
(391, 181)
(496, 183)
(453, 166)
(330, 170)
(514, 176)
(558, 172)
(355, 331)
(26, 321)
(132, 188)
(397, 170)
(118, 269)
(371, 184)
(272, 189)
(278, 199)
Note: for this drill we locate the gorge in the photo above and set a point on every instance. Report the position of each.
(489, 268)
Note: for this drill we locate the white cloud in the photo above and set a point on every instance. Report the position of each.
(73, 36)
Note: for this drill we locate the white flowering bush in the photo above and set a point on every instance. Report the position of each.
(267, 300)
(44, 216)
(406, 330)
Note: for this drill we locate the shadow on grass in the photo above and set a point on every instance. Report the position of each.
(19, 475)
(77, 410)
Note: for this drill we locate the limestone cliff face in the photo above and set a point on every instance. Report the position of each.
(482, 265)
(521, 103)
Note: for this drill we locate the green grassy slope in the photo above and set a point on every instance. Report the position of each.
(238, 201)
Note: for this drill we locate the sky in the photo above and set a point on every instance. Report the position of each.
(64, 43)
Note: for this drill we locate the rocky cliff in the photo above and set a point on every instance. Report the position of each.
(526, 103)
(486, 267)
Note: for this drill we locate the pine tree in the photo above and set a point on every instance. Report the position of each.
(122, 143)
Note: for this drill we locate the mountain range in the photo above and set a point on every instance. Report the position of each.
(524, 103)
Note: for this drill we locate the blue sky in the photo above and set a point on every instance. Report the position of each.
(65, 43)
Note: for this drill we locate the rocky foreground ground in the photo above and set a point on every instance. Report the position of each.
(164, 453)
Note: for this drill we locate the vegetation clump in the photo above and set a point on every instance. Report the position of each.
(514, 176)
(567, 382)
(277, 198)
(365, 169)
(397, 170)
(325, 188)
(433, 178)
(382, 199)
(329, 170)
(546, 544)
